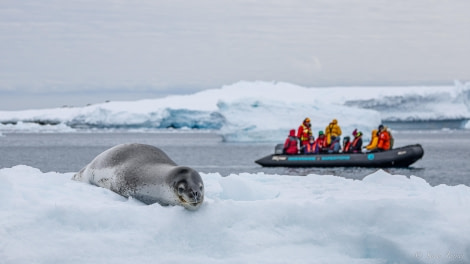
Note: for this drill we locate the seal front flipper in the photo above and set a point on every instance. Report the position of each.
(79, 175)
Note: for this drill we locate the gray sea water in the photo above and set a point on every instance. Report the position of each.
(445, 161)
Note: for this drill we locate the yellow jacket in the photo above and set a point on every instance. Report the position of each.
(332, 129)
(373, 140)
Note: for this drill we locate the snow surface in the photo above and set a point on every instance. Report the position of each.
(247, 111)
(246, 218)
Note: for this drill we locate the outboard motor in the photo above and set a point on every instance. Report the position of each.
(279, 149)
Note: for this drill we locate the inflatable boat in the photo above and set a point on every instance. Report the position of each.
(399, 157)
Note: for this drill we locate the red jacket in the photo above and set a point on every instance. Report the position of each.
(303, 133)
(321, 142)
(290, 145)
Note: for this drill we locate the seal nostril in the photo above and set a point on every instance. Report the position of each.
(195, 195)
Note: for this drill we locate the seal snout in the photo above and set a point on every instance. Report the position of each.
(195, 195)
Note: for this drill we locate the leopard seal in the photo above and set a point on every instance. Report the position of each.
(145, 173)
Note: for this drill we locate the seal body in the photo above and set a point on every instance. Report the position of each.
(145, 173)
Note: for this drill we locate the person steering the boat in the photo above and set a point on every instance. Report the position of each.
(332, 130)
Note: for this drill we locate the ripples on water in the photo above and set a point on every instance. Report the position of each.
(445, 158)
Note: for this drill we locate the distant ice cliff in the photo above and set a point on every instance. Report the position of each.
(247, 111)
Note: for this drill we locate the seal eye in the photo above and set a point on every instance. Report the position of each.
(181, 188)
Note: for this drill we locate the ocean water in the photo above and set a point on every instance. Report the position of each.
(445, 160)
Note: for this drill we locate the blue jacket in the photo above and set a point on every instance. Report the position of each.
(335, 146)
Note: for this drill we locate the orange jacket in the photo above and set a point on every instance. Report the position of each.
(384, 140)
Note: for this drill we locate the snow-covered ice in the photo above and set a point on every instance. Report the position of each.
(246, 218)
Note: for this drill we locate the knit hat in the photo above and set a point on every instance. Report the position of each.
(354, 132)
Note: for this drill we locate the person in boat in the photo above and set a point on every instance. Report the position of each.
(392, 140)
(383, 142)
(346, 144)
(335, 145)
(291, 145)
(356, 144)
(347, 141)
(321, 142)
(332, 130)
(304, 132)
(311, 146)
(374, 139)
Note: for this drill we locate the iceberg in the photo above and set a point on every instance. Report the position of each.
(257, 111)
(245, 218)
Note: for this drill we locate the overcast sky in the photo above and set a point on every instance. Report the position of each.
(56, 52)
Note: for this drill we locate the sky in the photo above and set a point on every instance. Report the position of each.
(55, 53)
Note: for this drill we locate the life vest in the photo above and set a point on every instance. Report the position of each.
(321, 142)
(335, 145)
(354, 144)
(346, 144)
(310, 147)
(304, 132)
(347, 147)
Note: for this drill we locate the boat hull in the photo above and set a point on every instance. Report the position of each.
(399, 157)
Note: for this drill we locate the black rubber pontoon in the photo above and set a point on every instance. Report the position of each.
(399, 157)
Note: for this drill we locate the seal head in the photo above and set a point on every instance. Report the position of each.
(188, 187)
